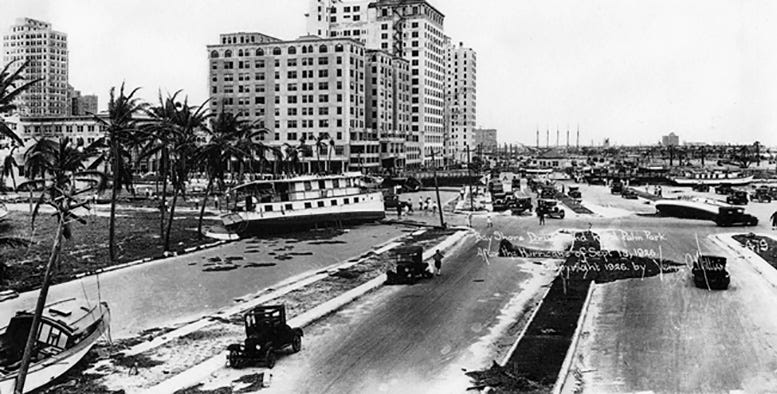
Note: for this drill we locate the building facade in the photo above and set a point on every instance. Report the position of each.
(670, 139)
(309, 91)
(485, 138)
(461, 104)
(413, 30)
(34, 41)
(388, 106)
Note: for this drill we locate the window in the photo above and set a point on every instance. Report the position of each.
(288, 207)
(308, 205)
(214, 54)
(333, 202)
(268, 208)
(320, 204)
(346, 201)
(355, 200)
(228, 53)
(322, 185)
(308, 185)
(292, 50)
(336, 183)
(259, 52)
(276, 51)
(322, 49)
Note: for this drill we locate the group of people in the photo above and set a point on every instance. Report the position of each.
(426, 205)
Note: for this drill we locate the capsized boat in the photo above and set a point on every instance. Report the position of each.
(276, 205)
(68, 330)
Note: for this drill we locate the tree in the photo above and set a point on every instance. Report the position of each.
(59, 169)
(329, 150)
(12, 85)
(120, 136)
(319, 146)
(229, 138)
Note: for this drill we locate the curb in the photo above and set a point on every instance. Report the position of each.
(194, 375)
(757, 262)
(510, 353)
(565, 367)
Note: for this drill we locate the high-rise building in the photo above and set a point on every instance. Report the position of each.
(79, 105)
(302, 91)
(461, 104)
(485, 138)
(670, 139)
(388, 105)
(34, 41)
(413, 30)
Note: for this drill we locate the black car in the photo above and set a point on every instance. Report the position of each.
(737, 197)
(734, 216)
(761, 195)
(629, 194)
(574, 192)
(391, 201)
(709, 272)
(616, 188)
(266, 333)
(724, 189)
(701, 187)
(410, 266)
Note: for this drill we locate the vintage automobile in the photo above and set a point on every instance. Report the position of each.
(773, 192)
(709, 272)
(410, 266)
(550, 208)
(616, 187)
(499, 201)
(521, 204)
(734, 216)
(391, 200)
(761, 195)
(737, 197)
(574, 192)
(629, 194)
(723, 189)
(548, 192)
(701, 187)
(266, 333)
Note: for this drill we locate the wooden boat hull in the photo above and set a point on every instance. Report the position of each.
(47, 370)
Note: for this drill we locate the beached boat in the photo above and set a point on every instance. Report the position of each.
(711, 178)
(67, 332)
(276, 205)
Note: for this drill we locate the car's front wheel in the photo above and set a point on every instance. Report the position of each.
(296, 343)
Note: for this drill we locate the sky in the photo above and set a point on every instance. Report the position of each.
(627, 70)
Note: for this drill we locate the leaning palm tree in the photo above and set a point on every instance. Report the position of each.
(59, 168)
(120, 137)
(12, 85)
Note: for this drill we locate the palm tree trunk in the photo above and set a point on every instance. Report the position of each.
(202, 208)
(170, 220)
(31, 337)
(114, 194)
(163, 202)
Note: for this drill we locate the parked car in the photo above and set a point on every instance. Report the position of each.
(629, 194)
(773, 192)
(761, 195)
(737, 197)
(548, 192)
(410, 266)
(701, 187)
(709, 272)
(723, 189)
(521, 205)
(550, 208)
(616, 188)
(391, 200)
(734, 216)
(574, 192)
(266, 333)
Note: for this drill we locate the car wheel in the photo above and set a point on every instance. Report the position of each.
(296, 343)
(561, 215)
(269, 359)
(233, 359)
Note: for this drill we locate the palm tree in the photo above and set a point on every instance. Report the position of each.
(330, 148)
(229, 138)
(58, 169)
(120, 137)
(187, 122)
(11, 86)
(319, 146)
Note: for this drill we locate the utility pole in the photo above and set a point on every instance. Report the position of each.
(437, 189)
(469, 175)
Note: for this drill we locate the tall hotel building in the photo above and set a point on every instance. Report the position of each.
(298, 90)
(460, 90)
(46, 50)
(412, 30)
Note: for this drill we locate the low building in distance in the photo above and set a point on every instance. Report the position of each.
(670, 140)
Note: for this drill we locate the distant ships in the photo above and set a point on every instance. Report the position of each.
(277, 205)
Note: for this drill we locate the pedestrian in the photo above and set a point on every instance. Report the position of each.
(399, 210)
(541, 214)
(426, 203)
(410, 204)
(774, 220)
(437, 261)
(434, 207)
(489, 222)
(469, 220)
(420, 203)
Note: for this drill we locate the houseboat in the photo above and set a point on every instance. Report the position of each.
(68, 330)
(269, 206)
(711, 178)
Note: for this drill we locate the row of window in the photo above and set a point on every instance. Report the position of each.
(277, 51)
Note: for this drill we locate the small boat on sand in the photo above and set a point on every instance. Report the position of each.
(68, 330)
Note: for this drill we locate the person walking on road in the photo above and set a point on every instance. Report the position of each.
(489, 222)
(437, 262)
(541, 214)
(420, 203)
(774, 220)
(399, 210)
(469, 220)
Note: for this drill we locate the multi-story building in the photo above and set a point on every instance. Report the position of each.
(34, 41)
(388, 105)
(302, 91)
(671, 139)
(461, 104)
(485, 138)
(81, 104)
(413, 30)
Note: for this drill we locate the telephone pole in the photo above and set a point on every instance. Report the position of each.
(469, 175)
